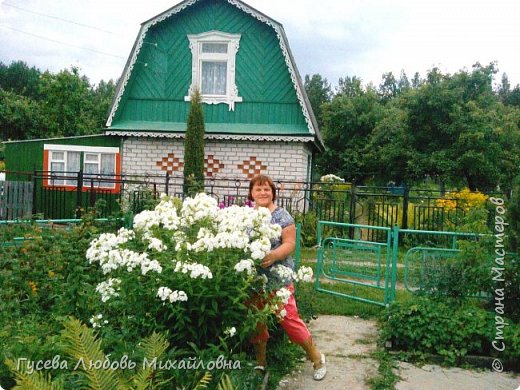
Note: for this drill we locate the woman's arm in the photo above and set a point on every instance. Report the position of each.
(284, 250)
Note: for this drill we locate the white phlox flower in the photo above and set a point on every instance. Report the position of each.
(195, 270)
(200, 207)
(304, 274)
(205, 241)
(129, 259)
(156, 244)
(230, 331)
(166, 294)
(246, 265)
(97, 321)
(260, 248)
(235, 218)
(330, 178)
(284, 294)
(167, 213)
(100, 247)
(108, 289)
(145, 220)
(282, 313)
(282, 273)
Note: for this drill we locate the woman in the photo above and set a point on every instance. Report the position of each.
(263, 192)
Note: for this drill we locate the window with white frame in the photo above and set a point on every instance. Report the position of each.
(213, 67)
(64, 165)
(97, 163)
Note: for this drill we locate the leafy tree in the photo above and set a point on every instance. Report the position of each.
(350, 86)
(20, 79)
(68, 104)
(451, 126)
(349, 122)
(388, 88)
(102, 97)
(20, 117)
(194, 148)
(403, 84)
(416, 81)
(388, 150)
(318, 91)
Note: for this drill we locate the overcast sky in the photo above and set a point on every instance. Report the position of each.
(335, 38)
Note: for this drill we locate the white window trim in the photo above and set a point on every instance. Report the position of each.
(96, 184)
(231, 97)
(81, 148)
(97, 150)
(61, 181)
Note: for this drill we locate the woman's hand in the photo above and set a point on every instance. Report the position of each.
(268, 260)
(284, 250)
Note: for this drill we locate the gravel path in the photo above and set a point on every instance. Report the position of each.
(347, 343)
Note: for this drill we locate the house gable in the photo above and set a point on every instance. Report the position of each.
(158, 75)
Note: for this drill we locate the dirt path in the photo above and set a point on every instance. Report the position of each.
(347, 343)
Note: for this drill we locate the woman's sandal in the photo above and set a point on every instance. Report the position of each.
(319, 373)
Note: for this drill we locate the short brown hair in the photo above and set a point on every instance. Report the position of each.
(261, 180)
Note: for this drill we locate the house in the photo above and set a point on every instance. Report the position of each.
(258, 118)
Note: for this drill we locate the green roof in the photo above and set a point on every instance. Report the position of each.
(228, 128)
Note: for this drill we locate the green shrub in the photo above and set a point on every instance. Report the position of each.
(309, 227)
(426, 326)
(43, 279)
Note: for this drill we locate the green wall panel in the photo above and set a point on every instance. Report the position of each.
(27, 156)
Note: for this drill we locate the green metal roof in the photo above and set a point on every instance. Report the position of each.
(229, 128)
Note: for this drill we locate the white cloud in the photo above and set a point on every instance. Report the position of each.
(335, 38)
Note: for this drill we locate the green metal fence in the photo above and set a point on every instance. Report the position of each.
(366, 267)
(372, 270)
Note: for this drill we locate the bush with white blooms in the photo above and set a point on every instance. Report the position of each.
(187, 268)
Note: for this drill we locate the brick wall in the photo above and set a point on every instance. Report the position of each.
(224, 159)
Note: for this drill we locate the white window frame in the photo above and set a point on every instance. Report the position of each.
(198, 57)
(86, 176)
(55, 181)
(95, 150)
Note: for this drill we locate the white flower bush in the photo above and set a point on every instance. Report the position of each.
(304, 274)
(331, 178)
(187, 267)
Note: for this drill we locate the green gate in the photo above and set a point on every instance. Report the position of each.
(358, 268)
(361, 261)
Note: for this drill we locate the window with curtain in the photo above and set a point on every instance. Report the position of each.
(213, 78)
(213, 67)
(64, 165)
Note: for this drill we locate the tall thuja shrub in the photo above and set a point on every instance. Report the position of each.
(194, 148)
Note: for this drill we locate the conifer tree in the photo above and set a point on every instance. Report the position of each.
(194, 148)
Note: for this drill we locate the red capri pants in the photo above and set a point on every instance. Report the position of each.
(291, 323)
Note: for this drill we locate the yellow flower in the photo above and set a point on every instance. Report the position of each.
(34, 288)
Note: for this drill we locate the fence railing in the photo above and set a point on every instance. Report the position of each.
(69, 194)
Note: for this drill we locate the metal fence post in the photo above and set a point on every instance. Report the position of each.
(79, 188)
(406, 200)
(167, 182)
(352, 208)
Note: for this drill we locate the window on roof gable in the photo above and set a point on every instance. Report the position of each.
(213, 67)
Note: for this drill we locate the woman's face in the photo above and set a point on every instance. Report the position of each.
(262, 195)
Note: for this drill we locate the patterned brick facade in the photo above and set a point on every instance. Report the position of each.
(284, 161)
